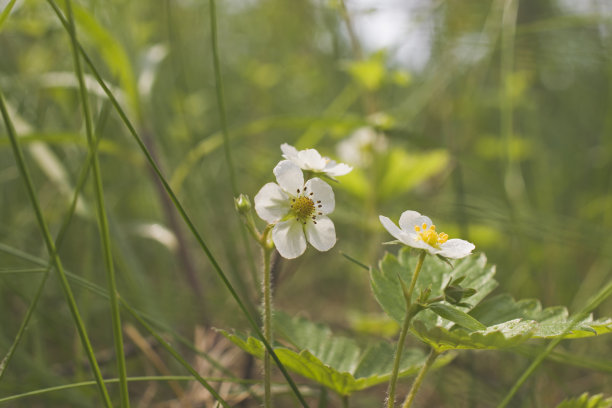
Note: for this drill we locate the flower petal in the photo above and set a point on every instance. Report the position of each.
(392, 228)
(312, 160)
(321, 192)
(456, 248)
(334, 169)
(289, 152)
(288, 237)
(321, 235)
(409, 219)
(289, 176)
(271, 203)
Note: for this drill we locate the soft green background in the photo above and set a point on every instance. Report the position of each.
(503, 137)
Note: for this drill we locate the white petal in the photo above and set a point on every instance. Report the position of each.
(392, 228)
(289, 152)
(288, 237)
(321, 192)
(289, 176)
(321, 235)
(456, 248)
(409, 219)
(334, 169)
(271, 203)
(312, 159)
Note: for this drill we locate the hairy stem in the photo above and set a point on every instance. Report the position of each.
(410, 312)
(433, 354)
(267, 323)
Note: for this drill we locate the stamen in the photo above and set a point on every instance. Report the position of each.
(417, 228)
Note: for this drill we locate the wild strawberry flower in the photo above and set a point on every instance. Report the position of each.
(311, 160)
(417, 231)
(298, 211)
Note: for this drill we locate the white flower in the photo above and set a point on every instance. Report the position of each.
(311, 160)
(298, 211)
(417, 231)
(361, 146)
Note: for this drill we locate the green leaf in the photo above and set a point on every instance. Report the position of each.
(509, 323)
(586, 401)
(455, 315)
(434, 273)
(335, 362)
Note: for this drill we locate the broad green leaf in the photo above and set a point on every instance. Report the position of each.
(434, 274)
(587, 401)
(335, 362)
(552, 321)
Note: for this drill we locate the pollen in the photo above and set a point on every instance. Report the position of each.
(430, 236)
(303, 208)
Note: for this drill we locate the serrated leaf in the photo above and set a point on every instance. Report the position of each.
(335, 362)
(434, 273)
(587, 401)
(552, 321)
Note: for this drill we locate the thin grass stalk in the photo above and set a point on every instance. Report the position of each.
(51, 249)
(595, 301)
(102, 218)
(182, 211)
(116, 380)
(433, 354)
(92, 287)
(225, 131)
(175, 354)
(58, 243)
(402, 339)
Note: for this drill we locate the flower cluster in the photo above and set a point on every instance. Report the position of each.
(298, 207)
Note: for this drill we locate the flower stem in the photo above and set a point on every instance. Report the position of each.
(433, 354)
(345, 401)
(410, 312)
(267, 323)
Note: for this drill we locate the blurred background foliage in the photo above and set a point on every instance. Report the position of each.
(494, 118)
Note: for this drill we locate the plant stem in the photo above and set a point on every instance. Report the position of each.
(433, 354)
(267, 322)
(102, 218)
(52, 251)
(410, 312)
(345, 401)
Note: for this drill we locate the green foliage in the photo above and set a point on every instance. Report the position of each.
(498, 322)
(587, 401)
(338, 363)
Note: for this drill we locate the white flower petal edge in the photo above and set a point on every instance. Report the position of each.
(289, 176)
(288, 237)
(334, 169)
(456, 248)
(410, 219)
(311, 160)
(323, 193)
(321, 235)
(394, 230)
(271, 203)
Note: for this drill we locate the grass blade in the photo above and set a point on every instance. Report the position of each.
(23, 170)
(102, 218)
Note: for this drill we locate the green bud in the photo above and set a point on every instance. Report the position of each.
(243, 204)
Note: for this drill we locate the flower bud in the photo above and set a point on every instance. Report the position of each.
(243, 204)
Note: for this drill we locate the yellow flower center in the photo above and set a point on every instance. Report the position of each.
(304, 207)
(430, 236)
